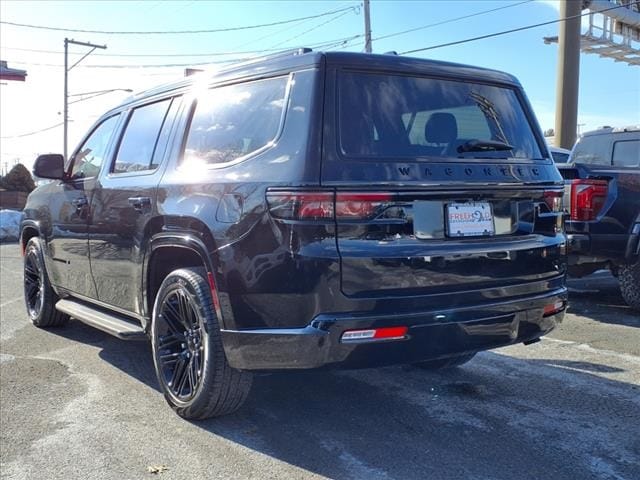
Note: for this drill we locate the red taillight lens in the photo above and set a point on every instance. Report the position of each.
(309, 205)
(374, 334)
(301, 205)
(587, 198)
(553, 308)
(359, 205)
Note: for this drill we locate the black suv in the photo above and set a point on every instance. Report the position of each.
(302, 211)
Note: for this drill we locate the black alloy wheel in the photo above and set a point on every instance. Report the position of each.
(33, 283)
(39, 297)
(188, 355)
(180, 348)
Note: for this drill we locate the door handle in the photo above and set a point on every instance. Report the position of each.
(140, 203)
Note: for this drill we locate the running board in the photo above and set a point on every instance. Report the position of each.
(109, 322)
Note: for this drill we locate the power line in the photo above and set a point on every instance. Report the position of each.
(180, 32)
(443, 22)
(334, 43)
(35, 132)
(513, 30)
(286, 29)
(164, 55)
(471, 15)
(311, 29)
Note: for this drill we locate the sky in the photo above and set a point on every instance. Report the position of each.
(609, 92)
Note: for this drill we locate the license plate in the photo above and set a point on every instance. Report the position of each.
(469, 219)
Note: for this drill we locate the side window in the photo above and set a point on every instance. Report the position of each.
(138, 144)
(163, 138)
(592, 150)
(236, 120)
(626, 153)
(89, 157)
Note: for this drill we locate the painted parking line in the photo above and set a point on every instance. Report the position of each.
(9, 302)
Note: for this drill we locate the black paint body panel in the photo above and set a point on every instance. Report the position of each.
(288, 290)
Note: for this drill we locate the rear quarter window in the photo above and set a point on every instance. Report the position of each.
(593, 150)
(626, 153)
(234, 121)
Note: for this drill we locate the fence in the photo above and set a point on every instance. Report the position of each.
(12, 200)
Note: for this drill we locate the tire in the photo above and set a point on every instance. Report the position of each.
(39, 297)
(188, 356)
(444, 363)
(629, 279)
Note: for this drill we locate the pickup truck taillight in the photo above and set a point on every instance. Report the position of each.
(587, 198)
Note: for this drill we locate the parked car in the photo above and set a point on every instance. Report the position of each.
(308, 210)
(603, 200)
(560, 155)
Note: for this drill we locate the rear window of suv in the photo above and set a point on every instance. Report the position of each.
(404, 116)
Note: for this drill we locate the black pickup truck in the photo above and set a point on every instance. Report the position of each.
(602, 197)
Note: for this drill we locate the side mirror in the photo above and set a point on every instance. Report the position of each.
(50, 165)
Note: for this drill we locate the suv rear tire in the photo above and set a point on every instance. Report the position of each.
(629, 278)
(39, 297)
(443, 363)
(188, 356)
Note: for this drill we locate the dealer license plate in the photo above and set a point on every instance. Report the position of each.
(469, 219)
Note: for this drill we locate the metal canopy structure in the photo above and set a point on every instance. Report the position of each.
(13, 74)
(612, 34)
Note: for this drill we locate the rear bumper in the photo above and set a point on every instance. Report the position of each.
(431, 334)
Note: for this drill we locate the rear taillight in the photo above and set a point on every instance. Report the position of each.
(553, 308)
(587, 198)
(351, 206)
(374, 334)
(314, 205)
(301, 205)
(554, 201)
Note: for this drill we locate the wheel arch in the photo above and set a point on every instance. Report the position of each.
(632, 252)
(168, 251)
(28, 230)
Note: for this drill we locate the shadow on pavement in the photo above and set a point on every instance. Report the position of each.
(497, 417)
(402, 422)
(578, 366)
(132, 357)
(598, 297)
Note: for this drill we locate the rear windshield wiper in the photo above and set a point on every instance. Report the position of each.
(483, 146)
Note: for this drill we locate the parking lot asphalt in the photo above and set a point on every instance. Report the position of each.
(76, 403)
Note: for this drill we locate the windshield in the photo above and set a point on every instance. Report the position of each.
(402, 116)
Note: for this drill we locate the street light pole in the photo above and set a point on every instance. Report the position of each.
(65, 118)
(568, 75)
(67, 69)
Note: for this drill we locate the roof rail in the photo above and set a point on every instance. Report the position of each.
(231, 66)
(272, 56)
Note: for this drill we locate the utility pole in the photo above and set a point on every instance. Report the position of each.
(568, 76)
(67, 69)
(367, 27)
